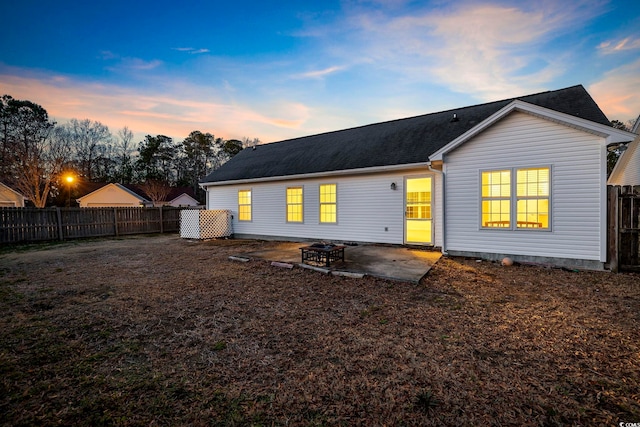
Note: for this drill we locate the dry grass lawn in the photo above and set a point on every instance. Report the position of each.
(163, 331)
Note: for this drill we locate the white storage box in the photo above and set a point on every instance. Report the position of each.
(205, 224)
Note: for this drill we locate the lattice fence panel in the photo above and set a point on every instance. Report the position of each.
(205, 224)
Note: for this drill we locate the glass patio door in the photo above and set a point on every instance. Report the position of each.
(418, 228)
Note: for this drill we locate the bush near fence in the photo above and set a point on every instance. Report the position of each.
(23, 225)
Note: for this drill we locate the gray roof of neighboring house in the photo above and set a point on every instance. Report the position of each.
(397, 142)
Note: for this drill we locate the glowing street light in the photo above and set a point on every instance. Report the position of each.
(69, 178)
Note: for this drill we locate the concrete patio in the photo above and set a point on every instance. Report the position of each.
(385, 261)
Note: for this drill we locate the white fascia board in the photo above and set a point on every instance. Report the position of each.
(610, 134)
(343, 172)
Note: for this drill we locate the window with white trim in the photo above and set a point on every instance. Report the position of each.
(244, 205)
(532, 198)
(294, 204)
(528, 207)
(328, 204)
(496, 199)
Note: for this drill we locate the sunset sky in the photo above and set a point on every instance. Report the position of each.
(277, 70)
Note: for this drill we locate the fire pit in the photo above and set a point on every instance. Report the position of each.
(322, 253)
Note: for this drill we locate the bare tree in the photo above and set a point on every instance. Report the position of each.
(40, 158)
(124, 152)
(156, 190)
(89, 142)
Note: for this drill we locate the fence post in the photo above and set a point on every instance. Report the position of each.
(115, 221)
(614, 227)
(59, 218)
(161, 221)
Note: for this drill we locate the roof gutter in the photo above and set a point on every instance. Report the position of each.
(343, 172)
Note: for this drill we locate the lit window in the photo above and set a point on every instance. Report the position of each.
(294, 204)
(532, 198)
(418, 204)
(496, 199)
(328, 203)
(244, 205)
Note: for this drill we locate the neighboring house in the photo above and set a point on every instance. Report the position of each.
(10, 197)
(112, 195)
(181, 196)
(523, 177)
(627, 169)
(119, 195)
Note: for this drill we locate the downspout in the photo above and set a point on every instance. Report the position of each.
(206, 195)
(444, 216)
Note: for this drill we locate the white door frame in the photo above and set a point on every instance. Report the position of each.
(431, 203)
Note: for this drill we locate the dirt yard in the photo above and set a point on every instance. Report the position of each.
(163, 331)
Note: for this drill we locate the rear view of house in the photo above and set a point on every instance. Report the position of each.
(524, 177)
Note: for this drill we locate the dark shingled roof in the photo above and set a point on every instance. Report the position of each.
(397, 142)
(173, 193)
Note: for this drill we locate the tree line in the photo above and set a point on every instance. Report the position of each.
(37, 153)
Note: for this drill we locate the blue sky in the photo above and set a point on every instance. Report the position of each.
(278, 70)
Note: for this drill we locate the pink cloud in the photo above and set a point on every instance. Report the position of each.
(628, 43)
(171, 113)
(618, 92)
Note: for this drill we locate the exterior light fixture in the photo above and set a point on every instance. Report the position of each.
(69, 178)
(393, 186)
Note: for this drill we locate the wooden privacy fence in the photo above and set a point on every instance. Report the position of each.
(624, 228)
(19, 225)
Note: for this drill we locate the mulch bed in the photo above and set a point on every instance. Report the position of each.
(163, 331)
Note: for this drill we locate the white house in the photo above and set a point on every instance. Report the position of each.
(181, 196)
(10, 197)
(523, 177)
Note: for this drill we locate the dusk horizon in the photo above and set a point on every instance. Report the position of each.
(254, 70)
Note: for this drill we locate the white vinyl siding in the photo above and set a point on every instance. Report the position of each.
(520, 140)
(367, 208)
